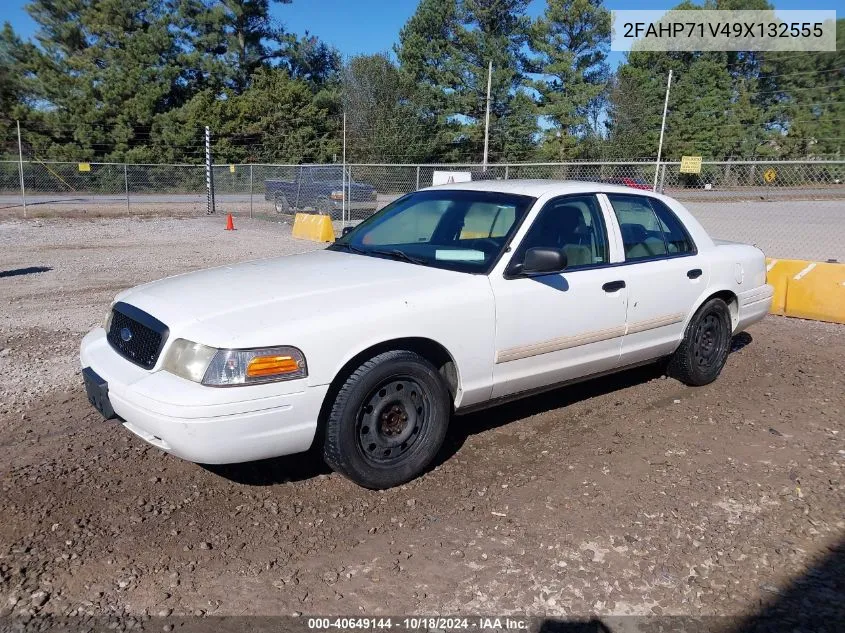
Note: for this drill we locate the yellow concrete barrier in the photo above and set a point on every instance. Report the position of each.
(309, 226)
(808, 290)
(778, 274)
(817, 292)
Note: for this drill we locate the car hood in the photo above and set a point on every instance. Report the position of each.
(282, 288)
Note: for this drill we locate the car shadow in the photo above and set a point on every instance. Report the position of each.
(739, 341)
(31, 270)
(302, 466)
(273, 471)
(462, 427)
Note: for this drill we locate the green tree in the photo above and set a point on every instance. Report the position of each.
(571, 43)
(13, 89)
(428, 54)
(224, 42)
(278, 120)
(103, 70)
(446, 47)
(382, 118)
(806, 97)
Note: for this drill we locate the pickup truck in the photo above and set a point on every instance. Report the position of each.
(320, 188)
(448, 300)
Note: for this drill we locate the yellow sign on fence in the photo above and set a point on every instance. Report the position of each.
(84, 166)
(769, 175)
(690, 164)
(231, 169)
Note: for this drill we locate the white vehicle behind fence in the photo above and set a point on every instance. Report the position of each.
(448, 300)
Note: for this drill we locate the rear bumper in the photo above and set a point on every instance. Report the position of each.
(754, 305)
(205, 424)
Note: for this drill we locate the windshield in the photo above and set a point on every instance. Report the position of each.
(458, 230)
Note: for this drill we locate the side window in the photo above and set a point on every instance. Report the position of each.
(677, 239)
(642, 235)
(571, 223)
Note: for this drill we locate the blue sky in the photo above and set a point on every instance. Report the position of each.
(372, 26)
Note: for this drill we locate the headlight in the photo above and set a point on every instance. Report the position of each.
(233, 367)
(188, 359)
(336, 195)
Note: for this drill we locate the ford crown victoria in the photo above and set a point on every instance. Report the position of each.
(448, 300)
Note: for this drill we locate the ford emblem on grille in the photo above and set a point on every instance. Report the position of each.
(125, 334)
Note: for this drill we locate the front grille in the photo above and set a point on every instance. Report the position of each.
(136, 335)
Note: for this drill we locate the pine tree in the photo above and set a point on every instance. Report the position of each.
(224, 42)
(571, 41)
(104, 70)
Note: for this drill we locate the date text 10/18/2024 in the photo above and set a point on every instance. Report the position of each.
(420, 623)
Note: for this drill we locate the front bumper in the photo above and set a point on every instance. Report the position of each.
(202, 424)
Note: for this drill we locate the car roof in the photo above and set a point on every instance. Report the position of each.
(537, 188)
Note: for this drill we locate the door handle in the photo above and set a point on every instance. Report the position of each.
(695, 273)
(613, 286)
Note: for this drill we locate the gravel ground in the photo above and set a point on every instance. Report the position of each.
(627, 495)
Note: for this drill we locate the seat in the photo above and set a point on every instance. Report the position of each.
(563, 227)
(639, 244)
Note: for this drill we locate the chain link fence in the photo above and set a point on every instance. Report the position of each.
(788, 208)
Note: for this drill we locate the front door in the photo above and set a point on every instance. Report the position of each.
(557, 327)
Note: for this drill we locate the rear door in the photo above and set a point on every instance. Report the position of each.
(664, 273)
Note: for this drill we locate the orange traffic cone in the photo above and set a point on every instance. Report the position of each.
(230, 224)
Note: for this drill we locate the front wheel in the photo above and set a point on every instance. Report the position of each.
(702, 354)
(388, 420)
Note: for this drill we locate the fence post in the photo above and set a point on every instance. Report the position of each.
(662, 177)
(418, 178)
(20, 169)
(506, 171)
(126, 186)
(209, 173)
(250, 192)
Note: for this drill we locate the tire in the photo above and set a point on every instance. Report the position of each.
(281, 204)
(703, 352)
(323, 205)
(388, 420)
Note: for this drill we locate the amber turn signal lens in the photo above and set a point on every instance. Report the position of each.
(271, 366)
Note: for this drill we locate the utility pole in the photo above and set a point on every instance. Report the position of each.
(343, 181)
(662, 128)
(20, 168)
(487, 116)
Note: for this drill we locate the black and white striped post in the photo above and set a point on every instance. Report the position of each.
(209, 172)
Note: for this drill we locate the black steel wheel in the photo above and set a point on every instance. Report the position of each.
(703, 352)
(388, 420)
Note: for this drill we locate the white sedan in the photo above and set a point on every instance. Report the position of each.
(448, 300)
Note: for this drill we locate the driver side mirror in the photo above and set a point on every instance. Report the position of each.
(346, 231)
(543, 261)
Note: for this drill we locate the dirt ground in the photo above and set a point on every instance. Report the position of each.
(628, 495)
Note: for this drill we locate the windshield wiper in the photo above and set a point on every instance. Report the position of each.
(400, 255)
(350, 248)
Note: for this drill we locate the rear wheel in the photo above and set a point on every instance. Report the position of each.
(702, 354)
(323, 206)
(281, 204)
(388, 420)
